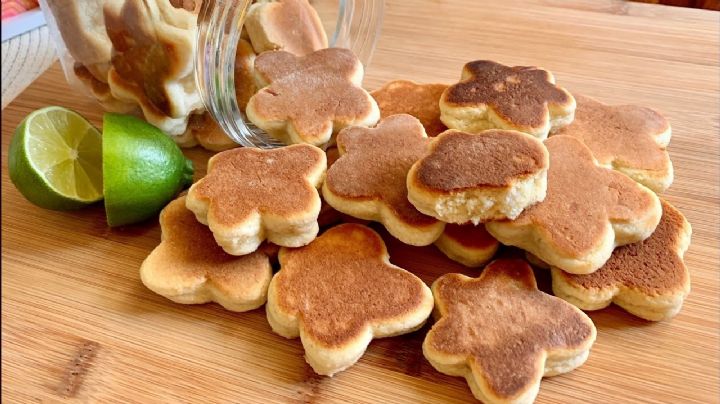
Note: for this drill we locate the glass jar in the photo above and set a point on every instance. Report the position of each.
(352, 24)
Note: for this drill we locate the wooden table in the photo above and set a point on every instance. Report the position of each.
(77, 324)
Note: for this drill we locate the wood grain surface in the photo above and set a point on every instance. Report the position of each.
(78, 325)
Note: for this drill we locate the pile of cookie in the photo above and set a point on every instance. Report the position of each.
(137, 56)
(503, 156)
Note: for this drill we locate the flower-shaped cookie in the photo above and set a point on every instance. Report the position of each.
(503, 334)
(588, 211)
(627, 138)
(476, 177)
(250, 195)
(307, 99)
(341, 291)
(152, 63)
(368, 180)
(418, 100)
(467, 244)
(648, 278)
(490, 95)
(189, 267)
(290, 25)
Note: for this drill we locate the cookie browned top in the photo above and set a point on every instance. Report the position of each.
(469, 235)
(493, 158)
(419, 100)
(503, 324)
(626, 135)
(519, 94)
(342, 282)
(293, 24)
(311, 92)
(374, 163)
(188, 251)
(583, 199)
(653, 266)
(244, 181)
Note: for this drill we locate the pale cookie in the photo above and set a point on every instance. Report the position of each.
(100, 90)
(188, 267)
(250, 195)
(82, 28)
(503, 334)
(465, 177)
(589, 210)
(341, 291)
(627, 138)
(493, 96)
(368, 180)
(187, 139)
(467, 244)
(418, 100)
(290, 25)
(153, 60)
(307, 99)
(648, 278)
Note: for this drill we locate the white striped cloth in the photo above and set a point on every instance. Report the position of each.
(24, 58)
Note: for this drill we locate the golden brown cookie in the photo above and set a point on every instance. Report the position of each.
(368, 180)
(208, 133)
(153, 60)
(648, 278)
(250, 195)
(341, 291)
(494, 96)
(290, 25)
(467, 244)
(418, 100)
(244, 79)
(188, 267)
(627, 138)
(503, 334)
(307, 99)
(476, 177)
(589, 210)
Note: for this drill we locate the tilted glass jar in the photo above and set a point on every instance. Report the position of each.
(352, 24)
(357, 25)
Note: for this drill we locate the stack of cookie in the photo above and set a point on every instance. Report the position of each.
(137, 56)
(504, 156)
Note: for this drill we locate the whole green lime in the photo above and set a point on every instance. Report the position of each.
(54, 159)
(143, 169)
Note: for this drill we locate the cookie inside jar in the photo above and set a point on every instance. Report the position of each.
(188, 66)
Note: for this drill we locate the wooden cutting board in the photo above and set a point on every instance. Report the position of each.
(77, 324)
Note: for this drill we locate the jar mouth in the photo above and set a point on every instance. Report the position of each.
(220, 24)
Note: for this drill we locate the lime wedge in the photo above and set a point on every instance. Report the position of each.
(55, 159)
(143, 169)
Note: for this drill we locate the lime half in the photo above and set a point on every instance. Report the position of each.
(55, 159)
(143, 169)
